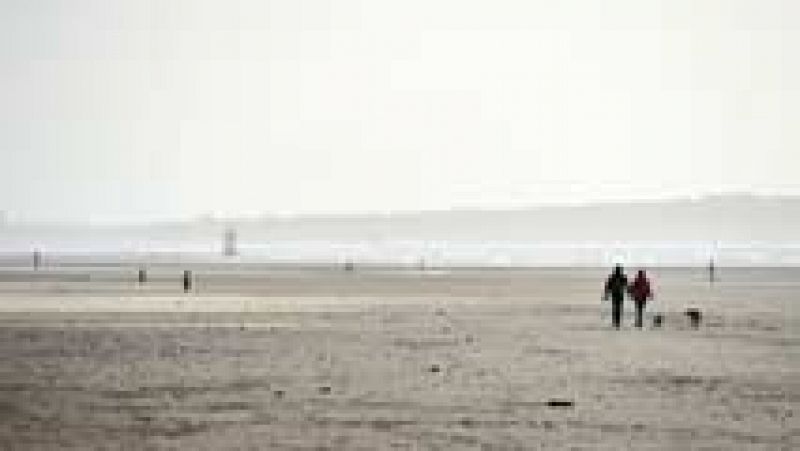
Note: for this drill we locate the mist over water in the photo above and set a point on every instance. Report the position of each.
(731, 230)
(416, 253)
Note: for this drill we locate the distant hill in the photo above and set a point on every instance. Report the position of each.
(722, 218)
(737, 230)
(728, 218)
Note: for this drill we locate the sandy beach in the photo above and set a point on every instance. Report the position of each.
(383, 358)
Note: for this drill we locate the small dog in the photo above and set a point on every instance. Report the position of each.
(695, 316)
(658, 319)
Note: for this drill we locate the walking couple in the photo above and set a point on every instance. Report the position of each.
(616, 287)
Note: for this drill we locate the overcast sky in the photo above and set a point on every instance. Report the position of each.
(134, 109)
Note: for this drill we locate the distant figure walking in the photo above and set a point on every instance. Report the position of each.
(37, 259)
(640, 292)
(616, 286)
(711, 271)
(187, 281)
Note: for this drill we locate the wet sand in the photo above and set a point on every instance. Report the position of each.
(401, 359)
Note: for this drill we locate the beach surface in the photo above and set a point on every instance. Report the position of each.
(382, 358)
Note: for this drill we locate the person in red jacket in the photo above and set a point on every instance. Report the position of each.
(640, 292)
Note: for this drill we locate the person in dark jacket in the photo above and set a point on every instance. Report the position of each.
(616, 286)
(640, 292)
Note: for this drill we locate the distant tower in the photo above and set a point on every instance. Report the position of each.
(230, 249)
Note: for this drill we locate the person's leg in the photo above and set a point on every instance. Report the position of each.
(639, 313)
(616, 313)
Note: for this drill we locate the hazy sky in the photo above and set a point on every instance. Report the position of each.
(145, 109)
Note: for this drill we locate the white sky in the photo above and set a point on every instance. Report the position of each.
(146, 109)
